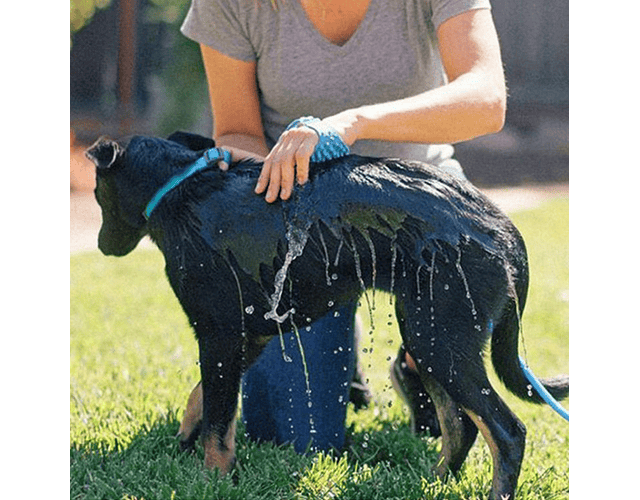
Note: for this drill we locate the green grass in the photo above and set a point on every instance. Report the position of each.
(133, 363)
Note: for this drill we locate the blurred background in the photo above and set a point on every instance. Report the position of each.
(133, 72)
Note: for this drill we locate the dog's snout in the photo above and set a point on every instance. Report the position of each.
(115, 244)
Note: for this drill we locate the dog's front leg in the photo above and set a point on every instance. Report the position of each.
(221, 370)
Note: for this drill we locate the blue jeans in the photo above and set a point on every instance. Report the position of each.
(276, 405)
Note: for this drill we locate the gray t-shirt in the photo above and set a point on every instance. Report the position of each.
(392, 55)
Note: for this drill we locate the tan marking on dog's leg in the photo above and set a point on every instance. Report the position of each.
(500, 480)
(193, 412)
(220, 454)
(410, 362)
(448, 427)
(457, 437)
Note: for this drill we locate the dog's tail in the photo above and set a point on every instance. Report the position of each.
(504, 356)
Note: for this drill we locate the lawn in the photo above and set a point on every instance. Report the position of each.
(133, 363)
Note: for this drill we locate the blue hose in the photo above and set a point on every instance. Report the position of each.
(544, 394)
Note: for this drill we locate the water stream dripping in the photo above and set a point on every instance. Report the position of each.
(474, 312)
(394, 256)
(520, 329)
(431, 271)
(337, 259)
(373, 268)
(297, 239)
(356, 259)
(242, 311)
(312, 429)
(325, 257)
(285, 356)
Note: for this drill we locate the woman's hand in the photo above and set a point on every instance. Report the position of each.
(287, 162)
(289, 159)
(237, 155)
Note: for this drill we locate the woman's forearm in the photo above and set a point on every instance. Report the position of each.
(243, 145)
(464, 109)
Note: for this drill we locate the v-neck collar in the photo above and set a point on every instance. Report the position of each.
(327, 44)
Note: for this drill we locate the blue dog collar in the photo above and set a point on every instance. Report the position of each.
(210, 156)
(330, 144)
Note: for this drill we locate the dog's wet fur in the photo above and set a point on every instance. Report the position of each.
(455, 264)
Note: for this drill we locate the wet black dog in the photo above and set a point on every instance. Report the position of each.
(239, 266)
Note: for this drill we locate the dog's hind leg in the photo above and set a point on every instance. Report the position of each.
(458, 431)
(192, 420)
(505, 435)
(446, 347)
(462, 415)
(468, 390)
(465, 403)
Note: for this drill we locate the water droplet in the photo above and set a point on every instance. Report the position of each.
(330, 303)
(249, 309)
(446, 286)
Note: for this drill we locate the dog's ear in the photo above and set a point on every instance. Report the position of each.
(103, 153)
(194, 142)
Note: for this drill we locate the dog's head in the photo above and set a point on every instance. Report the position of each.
(122, 228)
(128, 174)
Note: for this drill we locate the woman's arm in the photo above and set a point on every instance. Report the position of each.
(234, 101)
(472, 104)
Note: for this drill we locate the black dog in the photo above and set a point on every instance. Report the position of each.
(239, 266)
